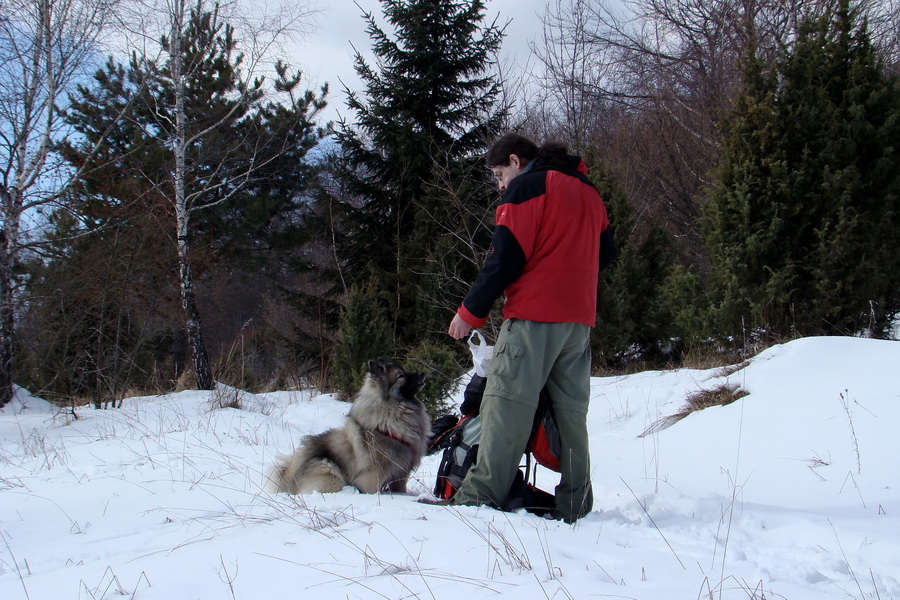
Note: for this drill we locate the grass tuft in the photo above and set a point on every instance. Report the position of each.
(224, 396)
(721, 395)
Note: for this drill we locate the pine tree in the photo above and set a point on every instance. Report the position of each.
(410, 157)
(202, 148)
(95, 320)
(808, 191)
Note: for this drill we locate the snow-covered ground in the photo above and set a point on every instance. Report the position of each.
(791, 492)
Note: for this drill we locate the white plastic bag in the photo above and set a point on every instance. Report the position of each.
(482, 353)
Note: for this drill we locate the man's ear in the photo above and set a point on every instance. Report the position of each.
(515, 161)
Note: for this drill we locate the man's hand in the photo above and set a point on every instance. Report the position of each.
(459, 328)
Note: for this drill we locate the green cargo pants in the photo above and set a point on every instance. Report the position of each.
(527, 356)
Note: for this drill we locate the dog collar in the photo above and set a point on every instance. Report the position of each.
(394, 437)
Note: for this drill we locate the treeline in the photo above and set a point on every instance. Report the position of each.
(182, 216)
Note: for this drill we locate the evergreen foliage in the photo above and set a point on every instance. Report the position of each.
(410, 161)
(103, 312)
(231, 126)
(633, 319)
(364, 333)
(247, 170)
(441, 368)
(806, 205)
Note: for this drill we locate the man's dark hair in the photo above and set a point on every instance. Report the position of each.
(511, 143)
(524, 148)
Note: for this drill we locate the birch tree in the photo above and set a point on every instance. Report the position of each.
(208, 138)
(195, 191)
(45, 46)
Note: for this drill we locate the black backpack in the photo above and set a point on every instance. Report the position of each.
(459, 438)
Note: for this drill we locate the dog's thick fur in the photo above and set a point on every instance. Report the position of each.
(382, 441)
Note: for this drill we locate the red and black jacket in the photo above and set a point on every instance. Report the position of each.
(546, 250)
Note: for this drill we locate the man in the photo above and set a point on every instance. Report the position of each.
(552, 232)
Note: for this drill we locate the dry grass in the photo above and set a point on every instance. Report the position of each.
(709, 359)
(224, 396)
(721, 395)
(731, 369)
(186, 381)
(701, 359)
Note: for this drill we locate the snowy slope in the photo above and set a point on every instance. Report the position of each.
(790, 492)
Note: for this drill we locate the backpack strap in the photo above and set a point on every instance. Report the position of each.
(452, 470)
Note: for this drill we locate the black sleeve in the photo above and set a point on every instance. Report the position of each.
(502, 267)
(607, 249)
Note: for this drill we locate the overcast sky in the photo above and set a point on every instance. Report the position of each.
(327, 55)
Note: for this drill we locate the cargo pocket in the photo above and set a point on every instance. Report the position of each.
(507, 371)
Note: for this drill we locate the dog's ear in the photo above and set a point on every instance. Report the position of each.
(376, 367)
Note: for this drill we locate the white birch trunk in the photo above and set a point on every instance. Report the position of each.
(193, 329)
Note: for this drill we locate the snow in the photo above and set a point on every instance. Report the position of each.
(789, 492)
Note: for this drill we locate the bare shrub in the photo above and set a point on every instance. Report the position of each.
(225, 396)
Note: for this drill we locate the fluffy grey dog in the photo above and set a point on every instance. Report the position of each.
(381, 442)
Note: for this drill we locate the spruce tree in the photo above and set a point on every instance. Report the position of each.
(411, 158)
(365, 333)
(807, 198)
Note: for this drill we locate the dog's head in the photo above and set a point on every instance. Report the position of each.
(395, 381)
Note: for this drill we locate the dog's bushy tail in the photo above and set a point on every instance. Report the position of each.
(276, 480)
